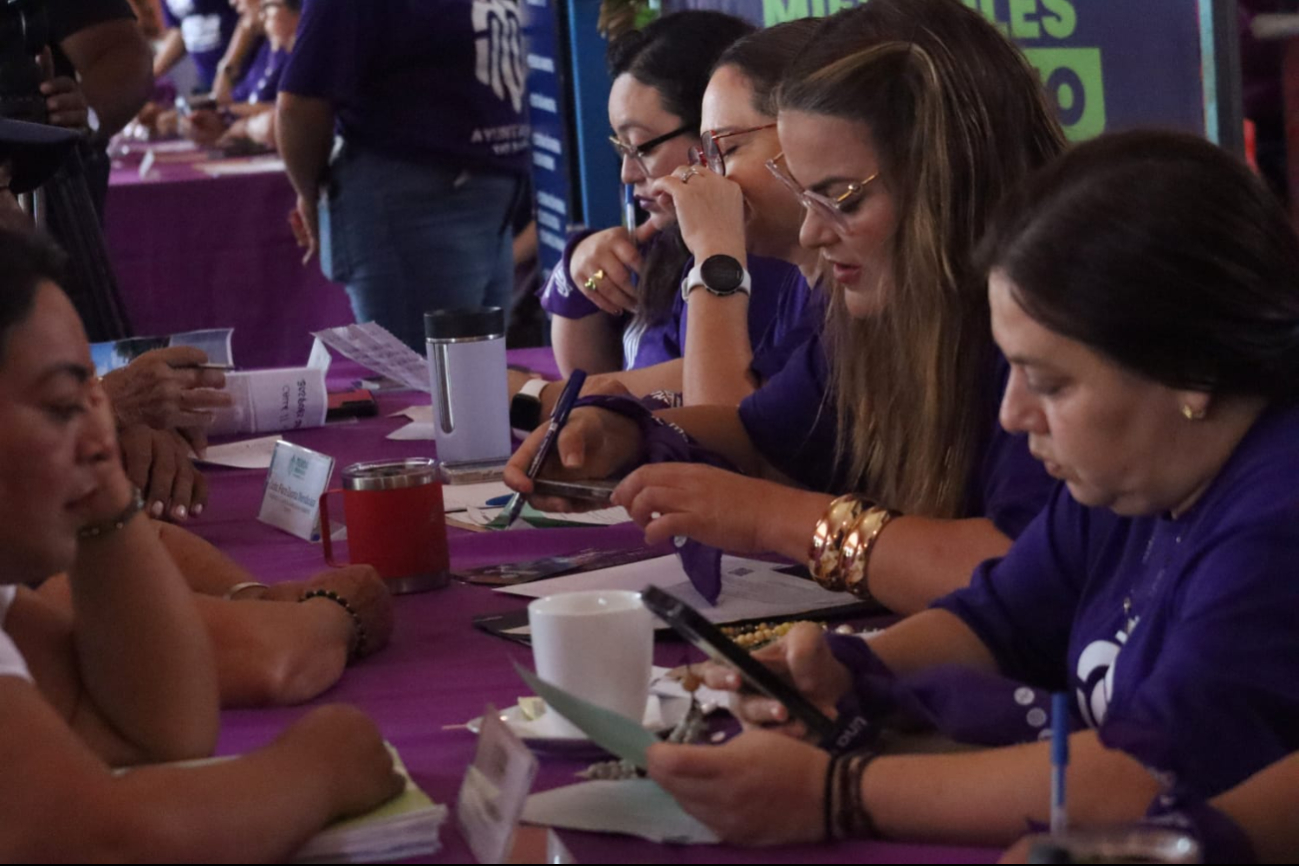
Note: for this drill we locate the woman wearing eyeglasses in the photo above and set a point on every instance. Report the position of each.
(611, 297)
(897, 163)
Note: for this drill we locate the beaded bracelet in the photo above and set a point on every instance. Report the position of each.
(823, 556)
(846, 815)
(854, 563)
(358, 627)
(114, 524)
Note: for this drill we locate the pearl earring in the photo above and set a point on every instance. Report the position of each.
(1192, 414)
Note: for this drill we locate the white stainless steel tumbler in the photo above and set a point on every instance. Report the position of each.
(466, 363)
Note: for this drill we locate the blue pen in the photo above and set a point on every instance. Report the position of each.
(558, 418)
(1059, 761)
(629, 207)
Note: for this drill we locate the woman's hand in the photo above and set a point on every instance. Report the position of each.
(168, 390)
(758, 789)
(710, 210)
(65, 103)
(204, 127)
(113, 490)
(613, 253)
(158, 462)
(719, 508)
(344, 740)
(594, 444)
(801, 658)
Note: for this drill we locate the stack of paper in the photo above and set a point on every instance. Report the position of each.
(402, 828)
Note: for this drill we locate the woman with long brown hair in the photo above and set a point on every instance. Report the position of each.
(902, 123)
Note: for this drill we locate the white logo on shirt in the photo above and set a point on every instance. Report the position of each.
(498, 42)
(180, 8)
(201, 33)
(631, 343)
(1095, 671)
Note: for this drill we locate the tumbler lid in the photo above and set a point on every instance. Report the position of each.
(464, 323)
(391, 474)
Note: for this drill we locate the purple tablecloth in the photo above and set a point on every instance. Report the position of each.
(439, 671)
(193, 251)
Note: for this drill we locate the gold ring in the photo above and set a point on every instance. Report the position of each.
(593, 282)
(689, 173)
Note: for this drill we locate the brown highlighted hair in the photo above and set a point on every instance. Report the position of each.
(957, 117)
(1165, 254)
(765, 56)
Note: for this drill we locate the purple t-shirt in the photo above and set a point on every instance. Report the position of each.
(206, 27)
(262, 80)
(1199, 677)
(792, 422)
(778, 314)
(419, 79)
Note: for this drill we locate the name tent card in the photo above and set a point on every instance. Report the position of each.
(298, 477)
(495, 789)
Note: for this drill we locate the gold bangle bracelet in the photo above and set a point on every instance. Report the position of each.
(857, 549)
(824, 554)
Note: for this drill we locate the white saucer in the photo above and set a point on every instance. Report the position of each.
(540, 734)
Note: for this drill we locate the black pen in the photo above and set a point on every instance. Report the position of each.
(558, 418)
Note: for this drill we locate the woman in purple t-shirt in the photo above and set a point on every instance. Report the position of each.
(898, 399)
(1155, 369)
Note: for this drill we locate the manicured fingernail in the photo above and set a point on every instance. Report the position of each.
(777, 713)
(156, 509)
(197, 510)
(733, 681)
(179, 512)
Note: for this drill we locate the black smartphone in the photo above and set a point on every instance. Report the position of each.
(579, 491)
(834, 736)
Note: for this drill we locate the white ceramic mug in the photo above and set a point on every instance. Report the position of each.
(597, 645)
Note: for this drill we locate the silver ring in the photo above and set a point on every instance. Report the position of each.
(689, 173)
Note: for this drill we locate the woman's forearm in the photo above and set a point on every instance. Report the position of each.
(592, 343)
(718, 353)
(917, 560)
(988, 797)
(144, 655)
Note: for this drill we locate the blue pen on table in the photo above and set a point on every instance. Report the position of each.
(1059, 761)
(629, 208)
(558, 418)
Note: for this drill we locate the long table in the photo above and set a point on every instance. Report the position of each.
(192, 250)
(439, 671)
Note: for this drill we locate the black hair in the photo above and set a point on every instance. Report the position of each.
(26, 260)
(675, 56)
(764, 56)
(1165, 254)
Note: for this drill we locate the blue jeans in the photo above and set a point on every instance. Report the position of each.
(407, 238)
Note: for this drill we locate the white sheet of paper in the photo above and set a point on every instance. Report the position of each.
(374, 347)
(600, 517)
(418, 412)
(245, 454)
(458, 497)
(415, 430)
(633, 807)
(270, 400)
(751, 589)
(241, 165)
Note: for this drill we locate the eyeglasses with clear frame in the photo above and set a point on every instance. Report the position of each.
(638, 152)
(830, 207)
(711, 152)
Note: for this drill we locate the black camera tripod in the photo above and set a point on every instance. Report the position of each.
(63, 205)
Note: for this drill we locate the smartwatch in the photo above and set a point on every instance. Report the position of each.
(720, 275)
(525, 407)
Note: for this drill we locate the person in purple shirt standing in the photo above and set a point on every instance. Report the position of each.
(1155, 368)
(428, 98)
(896, 400)
(200, 28)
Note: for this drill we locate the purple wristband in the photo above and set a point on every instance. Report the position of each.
(664, 442)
